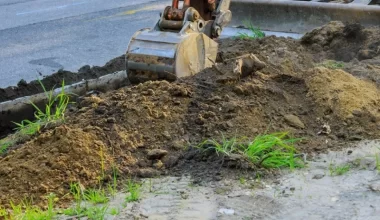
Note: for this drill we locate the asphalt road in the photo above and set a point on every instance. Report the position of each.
(42, 36)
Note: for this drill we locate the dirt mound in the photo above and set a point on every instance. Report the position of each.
(144, 130)
(55, 80)
(343, 94)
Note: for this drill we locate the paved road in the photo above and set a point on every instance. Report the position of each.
(46, 35)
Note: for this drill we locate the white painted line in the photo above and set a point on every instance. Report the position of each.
(49, 9)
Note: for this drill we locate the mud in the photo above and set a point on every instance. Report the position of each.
(55, 80)
(125, 128)
(310, 193)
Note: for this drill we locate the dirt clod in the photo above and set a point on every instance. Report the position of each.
(156, 154)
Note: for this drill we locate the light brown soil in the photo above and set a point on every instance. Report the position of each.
(128, 123)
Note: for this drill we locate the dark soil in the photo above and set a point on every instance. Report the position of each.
(144, 130)
(55, 80)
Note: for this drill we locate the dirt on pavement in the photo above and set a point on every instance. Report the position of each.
(55, 80)
(145, 130)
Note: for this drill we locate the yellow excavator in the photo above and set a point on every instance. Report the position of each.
(182, 42)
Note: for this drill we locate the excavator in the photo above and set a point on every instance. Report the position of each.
(183, 41)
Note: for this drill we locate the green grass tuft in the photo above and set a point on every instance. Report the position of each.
(54, 112)
(134, 191)
(332, 64)
(339, 170)
(114, 211)
(96, 196)
(96, 212)
(254, 32)
(269, 151)
(26, 211)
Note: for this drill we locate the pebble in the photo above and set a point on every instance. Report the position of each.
(318, 176)
(294, 121)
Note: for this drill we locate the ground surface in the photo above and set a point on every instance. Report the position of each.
(39, 36)
(148, 130)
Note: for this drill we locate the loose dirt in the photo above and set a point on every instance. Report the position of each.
(146, 130)
(55, 80)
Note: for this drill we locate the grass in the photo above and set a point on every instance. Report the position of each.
(377, 162)
(96, 212)
(134, 191)
(54, 111)
(254, 32)
(332, 64)
(274, 150)
(25, 211)
(4, 145)
(114, 211)
(96, 196)
(339, 170)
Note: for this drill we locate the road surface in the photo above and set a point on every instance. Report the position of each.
(43, 36)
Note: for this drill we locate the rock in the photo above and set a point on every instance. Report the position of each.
(226, 211)
(100, 110)
(294, 121)
(22, 83)
(366, 54)
(158, 164)
(318, 176)
(247, 64)
(178, 144)
(375, 187)
(147, 173)
(170, 161)
(111, 120)
(166, 135)
(157, 154)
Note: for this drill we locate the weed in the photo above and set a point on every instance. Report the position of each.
(338, 170)
(269, 151)
(377, 162)
(96, 196)
(96, 213)
(242, 180)
(77, 192)
(254, 32)
(226, 147)
(114, 211)
(273, 151)
(54, 111)
(4, 145)
(134, 191)
(332, 64)
(112, 188)
(25, 211)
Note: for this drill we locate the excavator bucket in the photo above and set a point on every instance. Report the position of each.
(181, 43)
(158, 55)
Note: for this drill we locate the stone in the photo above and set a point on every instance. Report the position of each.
(318, 176)
(366, 54)
(158, 164)
(294, 121)
(156, 154)
(111, 120)
(147, 173)
(375, 187)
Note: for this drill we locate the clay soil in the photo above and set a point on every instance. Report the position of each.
(147, 129)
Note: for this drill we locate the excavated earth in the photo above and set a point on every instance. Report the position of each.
(147, 130)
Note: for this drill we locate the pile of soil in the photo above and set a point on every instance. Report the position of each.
(144, 130)
(55, 80)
